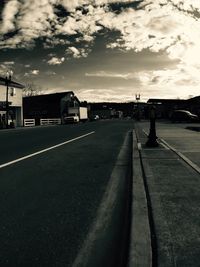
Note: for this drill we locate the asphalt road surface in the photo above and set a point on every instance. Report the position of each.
(52, 180)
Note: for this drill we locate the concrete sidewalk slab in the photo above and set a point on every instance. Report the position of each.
(174, 192)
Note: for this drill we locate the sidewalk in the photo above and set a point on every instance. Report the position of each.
(172, 186)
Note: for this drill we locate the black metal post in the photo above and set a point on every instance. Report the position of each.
(137, 97)
(152, 138)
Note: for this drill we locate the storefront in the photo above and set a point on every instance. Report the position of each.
(11, 111)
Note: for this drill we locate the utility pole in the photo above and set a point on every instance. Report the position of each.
(7, 82)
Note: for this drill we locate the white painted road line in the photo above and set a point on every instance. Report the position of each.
(44, 150)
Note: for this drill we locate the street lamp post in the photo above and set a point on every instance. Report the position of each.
(152, 138)
(7, 81)
(137, 97)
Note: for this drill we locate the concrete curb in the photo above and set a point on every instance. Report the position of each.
(140, 252)
(107, 240)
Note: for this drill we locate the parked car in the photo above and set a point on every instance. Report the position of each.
(183, 116)
(95, 118)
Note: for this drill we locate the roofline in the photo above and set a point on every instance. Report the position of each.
(3, 81)
(56, 93)
(194, 98)
(165, 100)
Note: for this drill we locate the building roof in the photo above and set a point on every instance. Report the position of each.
(11, 83)
(162, 101)
(194, 99)
(50, 97)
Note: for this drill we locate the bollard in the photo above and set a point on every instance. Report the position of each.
(152, 138)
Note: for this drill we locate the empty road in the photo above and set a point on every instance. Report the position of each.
(52, 180)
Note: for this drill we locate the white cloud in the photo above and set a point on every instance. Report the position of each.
(69, 27)
(74, 51)
(3, 70)
(77, 53)
(152, 26)
(180, 81)
(104, 74)
(51, 42)
(31, 19)
(8, 16)
(73, 4)
(56, 61)
(35, 72)
(6, 66)
(155, 29)
(103, 94)
(32, 73)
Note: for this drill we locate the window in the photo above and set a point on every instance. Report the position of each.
(12, 91)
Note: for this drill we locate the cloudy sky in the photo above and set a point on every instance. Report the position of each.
(103, 50)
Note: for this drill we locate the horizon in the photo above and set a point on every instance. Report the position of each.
(130, 101)
(103, 50)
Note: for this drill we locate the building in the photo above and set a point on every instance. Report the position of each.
(15, 110)
(194, 105)
(49, 106)
(165, 107)
(109, 110)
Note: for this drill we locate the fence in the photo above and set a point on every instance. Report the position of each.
(50, 121)
(29, 122)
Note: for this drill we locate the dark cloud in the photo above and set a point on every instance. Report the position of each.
(119, 7)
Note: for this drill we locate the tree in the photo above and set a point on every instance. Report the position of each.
(32, 89)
